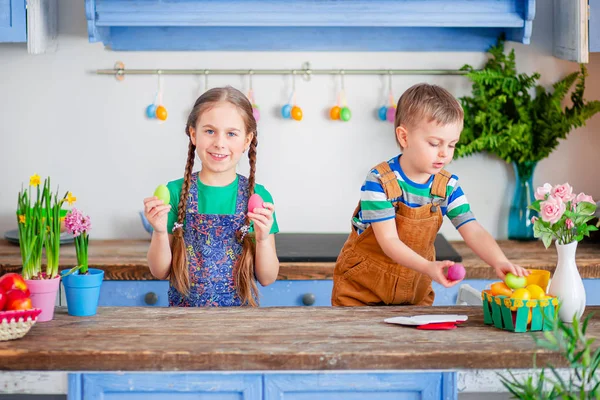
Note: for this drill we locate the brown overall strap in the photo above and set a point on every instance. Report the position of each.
(389, 181)
(440, 183)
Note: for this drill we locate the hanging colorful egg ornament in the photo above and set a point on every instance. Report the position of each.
(255, 112)
(296, 113)
(345, 114)
(161, 113)
(286, 111)
(382, 113)
(390, 114)
(151, 111)
(334, 113)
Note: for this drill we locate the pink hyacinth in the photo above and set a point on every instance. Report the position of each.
(552, 209)
(563, 192)
(77, 223)
(542, 191)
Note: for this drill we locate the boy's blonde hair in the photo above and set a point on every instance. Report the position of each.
(430, 102)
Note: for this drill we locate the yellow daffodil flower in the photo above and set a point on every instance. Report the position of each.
(21, 219)
(34, 180)
(71, 199)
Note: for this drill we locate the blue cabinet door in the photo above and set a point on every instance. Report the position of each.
(296, 293)
(134, 293)
(160, 386)
(361, 386)
(13, 24)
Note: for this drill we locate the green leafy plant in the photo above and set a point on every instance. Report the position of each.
(503, 118)
(32, 232)
(39, 222)
(53, 206)
(572, 342)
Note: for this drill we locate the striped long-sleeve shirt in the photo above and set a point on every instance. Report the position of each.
(375, 206)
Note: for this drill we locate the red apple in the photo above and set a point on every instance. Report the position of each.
(17, 300)
(12, 281)
(2, 299)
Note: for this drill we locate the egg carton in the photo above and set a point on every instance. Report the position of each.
(513, 314)
(16, 324)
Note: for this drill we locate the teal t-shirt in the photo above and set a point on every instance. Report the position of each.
(214, 200)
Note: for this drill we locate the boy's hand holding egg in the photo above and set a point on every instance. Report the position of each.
(456, 272)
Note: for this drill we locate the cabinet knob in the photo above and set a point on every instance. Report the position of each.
(308, 299)
(151, 298)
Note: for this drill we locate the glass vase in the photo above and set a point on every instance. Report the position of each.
(520, 226)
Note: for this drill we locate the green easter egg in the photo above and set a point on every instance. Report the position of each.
(162, 192)
(345, 114)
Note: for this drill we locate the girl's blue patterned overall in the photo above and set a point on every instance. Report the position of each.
(212, 252)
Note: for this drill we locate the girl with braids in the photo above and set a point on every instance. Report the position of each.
(206, 241)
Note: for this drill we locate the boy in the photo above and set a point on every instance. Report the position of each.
(389, 256)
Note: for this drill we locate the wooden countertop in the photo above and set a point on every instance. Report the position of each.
(126, 260)
(289, 338)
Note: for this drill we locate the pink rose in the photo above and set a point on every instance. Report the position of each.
(533, 219)
(552, 209)
(584, 197)
(563, 192)
(542, 191)
(569, 223)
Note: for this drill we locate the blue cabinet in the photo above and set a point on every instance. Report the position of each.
(308, 25)
(159, 386)
(13, 24)
(268, 386)
(360, 386)
(283, 293)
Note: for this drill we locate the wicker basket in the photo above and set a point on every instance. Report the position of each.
(518, 315)
(15, 324)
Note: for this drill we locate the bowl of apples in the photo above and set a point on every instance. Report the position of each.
(16, 314)
(520, 304)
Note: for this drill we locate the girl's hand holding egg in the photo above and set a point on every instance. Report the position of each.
(261, 214)
(157, 207)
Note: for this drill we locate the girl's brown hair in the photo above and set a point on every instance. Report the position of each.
(243, 273)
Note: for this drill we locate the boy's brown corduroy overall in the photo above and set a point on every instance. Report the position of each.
(364, 275)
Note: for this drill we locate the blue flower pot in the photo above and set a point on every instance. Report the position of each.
(83, 292)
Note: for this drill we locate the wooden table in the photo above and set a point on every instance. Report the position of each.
(265, 350)
(296, 338)
(126, 260)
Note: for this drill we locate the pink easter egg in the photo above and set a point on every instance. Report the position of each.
(255, 112)
(456, 272)
(255, 201)
(390, 115)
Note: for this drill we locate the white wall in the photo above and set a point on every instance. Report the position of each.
(89, 133)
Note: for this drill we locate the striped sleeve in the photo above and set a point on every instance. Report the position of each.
(374, 205)
(458, 211)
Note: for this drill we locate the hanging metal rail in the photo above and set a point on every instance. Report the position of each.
(119, 71)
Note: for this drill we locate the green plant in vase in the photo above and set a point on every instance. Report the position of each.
(79, 225)
(504, 118)
(52, 210)
(32, 232)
